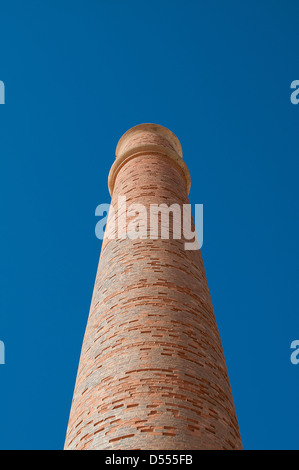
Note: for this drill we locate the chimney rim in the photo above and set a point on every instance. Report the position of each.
(158, 129)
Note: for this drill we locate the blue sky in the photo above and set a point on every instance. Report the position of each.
(77, 75)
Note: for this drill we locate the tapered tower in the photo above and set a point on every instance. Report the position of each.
(152, 373)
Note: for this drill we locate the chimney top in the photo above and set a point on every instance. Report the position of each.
(146, 138)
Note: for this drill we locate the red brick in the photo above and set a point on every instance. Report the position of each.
(152, 373)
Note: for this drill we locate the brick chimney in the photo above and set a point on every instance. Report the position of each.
(152, 373)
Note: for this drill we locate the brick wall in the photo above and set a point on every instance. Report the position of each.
(152, 374)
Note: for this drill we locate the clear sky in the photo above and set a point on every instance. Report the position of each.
(77, 75)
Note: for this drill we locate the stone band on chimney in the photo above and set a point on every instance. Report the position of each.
(145, 139)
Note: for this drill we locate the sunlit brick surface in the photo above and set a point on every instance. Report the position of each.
(152, 374)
